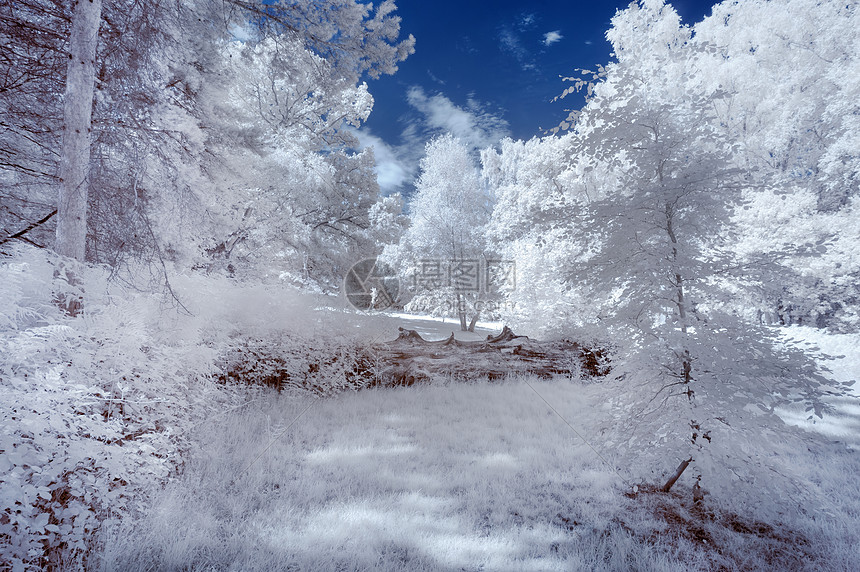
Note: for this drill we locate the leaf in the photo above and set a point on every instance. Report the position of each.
(41, 521)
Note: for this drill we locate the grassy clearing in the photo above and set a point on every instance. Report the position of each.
(97, 411)
(443, 476)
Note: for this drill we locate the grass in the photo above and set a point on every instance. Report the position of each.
(442, 476)
(439, 476)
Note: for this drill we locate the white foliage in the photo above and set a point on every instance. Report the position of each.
(787, 70)
(98, 410)
(447, 214)
(640, 217)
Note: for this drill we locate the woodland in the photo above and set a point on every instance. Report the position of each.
(628, 343)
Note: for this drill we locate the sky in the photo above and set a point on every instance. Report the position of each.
(485, 71)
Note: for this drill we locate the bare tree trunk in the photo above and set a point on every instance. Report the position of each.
(71, 237)
(678, 472)
(461, 312)
(77, 119)
(680, 302)
(474, 321)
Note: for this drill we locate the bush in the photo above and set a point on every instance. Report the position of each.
(94, 408)
(286, 362)
(97, 410)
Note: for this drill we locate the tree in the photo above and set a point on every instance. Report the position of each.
(343, 32)
(303, 210)
(34, 67)
(530, 224)
(39, 38)
(787, 68)
(443, 248)
(644, 216)
(77, 117)
(289, 197)
(165, 147)
(75, 156)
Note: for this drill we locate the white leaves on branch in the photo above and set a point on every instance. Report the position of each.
(699, 182)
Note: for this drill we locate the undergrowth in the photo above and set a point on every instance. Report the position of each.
(97, 410)
(287, 362)
(106, 413)
(727, 540)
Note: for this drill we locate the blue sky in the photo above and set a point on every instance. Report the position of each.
(485, 70)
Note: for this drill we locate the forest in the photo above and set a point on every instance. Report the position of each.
(223, 344)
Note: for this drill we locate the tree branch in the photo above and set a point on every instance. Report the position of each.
(21, 233)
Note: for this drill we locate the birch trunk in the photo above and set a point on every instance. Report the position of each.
(71, 237)
(77, 120)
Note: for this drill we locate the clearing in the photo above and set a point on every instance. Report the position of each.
(437, 476)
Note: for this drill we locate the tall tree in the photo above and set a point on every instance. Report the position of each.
(442, 252)
(302, 211)
(645, 212)
(173, 131)
(269, 120)
(530, 224)
(77, 118)
(788, 68)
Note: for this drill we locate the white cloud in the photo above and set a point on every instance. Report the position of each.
(397, 165)
(527, 21)
(471, 124)
(552, 37)
(436, 79)
(510, 42)
(393, 170)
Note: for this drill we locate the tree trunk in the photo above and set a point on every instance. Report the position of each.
(474, 321)
(461, 312)
(77, 120)
(71, 237)
(681, 468)
(410, 359)
(680, 302)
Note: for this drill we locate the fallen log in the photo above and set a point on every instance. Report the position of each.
(406, 360)
(410, 358)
